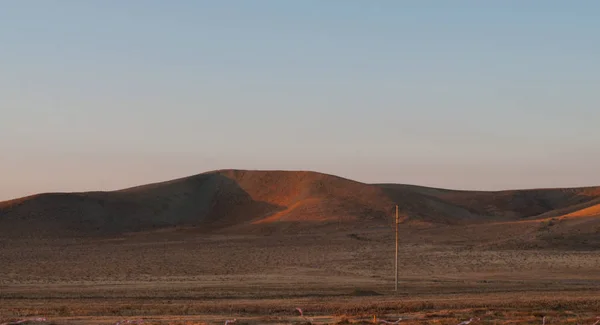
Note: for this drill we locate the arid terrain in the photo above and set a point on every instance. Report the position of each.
(255, 245)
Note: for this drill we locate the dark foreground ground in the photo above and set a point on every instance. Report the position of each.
(186, 278)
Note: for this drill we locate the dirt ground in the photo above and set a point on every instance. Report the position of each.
(342, 277)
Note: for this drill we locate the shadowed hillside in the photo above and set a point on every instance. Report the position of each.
(247, 201)
(512, 204)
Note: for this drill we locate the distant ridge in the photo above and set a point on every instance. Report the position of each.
(252, 200)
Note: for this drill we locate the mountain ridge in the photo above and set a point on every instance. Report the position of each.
(247, 200)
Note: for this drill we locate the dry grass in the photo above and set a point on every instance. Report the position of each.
(487, 315)
(180, 278)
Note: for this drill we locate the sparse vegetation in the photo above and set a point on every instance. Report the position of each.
(199, 279)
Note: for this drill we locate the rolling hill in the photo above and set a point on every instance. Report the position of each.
(247, 201)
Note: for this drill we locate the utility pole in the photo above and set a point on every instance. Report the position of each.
(396, 248)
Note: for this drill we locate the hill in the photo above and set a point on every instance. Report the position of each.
(271, 201)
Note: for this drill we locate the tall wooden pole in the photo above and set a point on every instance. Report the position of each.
(396, 248)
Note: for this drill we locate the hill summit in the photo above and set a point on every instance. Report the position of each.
(248, 201)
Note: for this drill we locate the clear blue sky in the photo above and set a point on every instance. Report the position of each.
(460, 94)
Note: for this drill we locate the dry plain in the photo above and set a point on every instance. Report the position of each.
(215, 278)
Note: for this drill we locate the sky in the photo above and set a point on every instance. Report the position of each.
(108, 94)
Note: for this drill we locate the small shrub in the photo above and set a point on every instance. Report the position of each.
(364, 293)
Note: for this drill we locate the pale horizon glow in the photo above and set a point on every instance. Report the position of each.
(104, 95)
